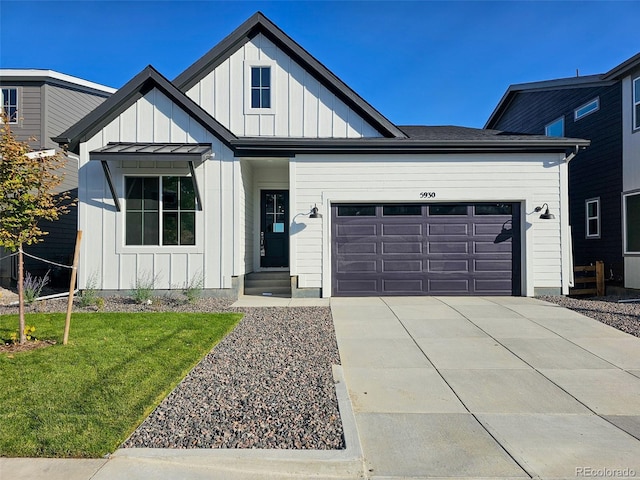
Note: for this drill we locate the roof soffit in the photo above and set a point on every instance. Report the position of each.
(257, 24)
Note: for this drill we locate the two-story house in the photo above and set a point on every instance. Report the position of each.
(604, 180)
(257, 158)
(41, 104)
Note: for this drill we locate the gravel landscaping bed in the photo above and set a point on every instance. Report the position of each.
(623, 316)
(268, 384)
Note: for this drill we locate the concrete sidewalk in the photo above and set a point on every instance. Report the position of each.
(445, 387)
(489, 387)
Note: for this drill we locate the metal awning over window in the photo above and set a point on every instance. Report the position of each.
(151, 152)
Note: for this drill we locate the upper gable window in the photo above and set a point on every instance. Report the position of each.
(10, 104)
(259, 87)
(636, 103)
(555, 128)
(587, 108)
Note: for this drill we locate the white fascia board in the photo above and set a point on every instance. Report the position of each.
(9, 74)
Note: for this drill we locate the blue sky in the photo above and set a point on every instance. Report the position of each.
(418, 63)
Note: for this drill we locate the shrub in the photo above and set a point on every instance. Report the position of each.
(142, 291)
(89, 295)
(193, 289)
(32, 287)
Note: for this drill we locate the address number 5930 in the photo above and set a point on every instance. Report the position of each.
(427, 194)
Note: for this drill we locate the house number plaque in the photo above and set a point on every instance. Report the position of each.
(427, 194)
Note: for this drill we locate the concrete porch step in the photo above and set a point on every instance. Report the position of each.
(276, 283)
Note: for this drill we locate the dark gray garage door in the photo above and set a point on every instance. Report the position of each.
(418, 249)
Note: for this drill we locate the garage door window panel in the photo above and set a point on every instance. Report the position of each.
(435, 210)
(356, 211)
(401, 210)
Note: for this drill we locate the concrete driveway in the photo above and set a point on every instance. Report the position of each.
(489, 387)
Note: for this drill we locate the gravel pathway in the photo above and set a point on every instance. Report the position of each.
(623, 316)
(268, 384)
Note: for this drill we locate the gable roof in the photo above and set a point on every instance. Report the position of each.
(546, 85)
(602, 79)
(257, 24)
(624, 68)
(126, 96)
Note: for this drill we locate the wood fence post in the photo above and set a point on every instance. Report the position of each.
(600, 291)
(72, 287)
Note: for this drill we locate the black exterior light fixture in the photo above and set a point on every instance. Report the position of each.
(546, 215)
(314, 212)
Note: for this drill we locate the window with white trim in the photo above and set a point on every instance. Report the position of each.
(587, 109)
(152, 218)
(592, 217)
(10, 104)
(636, 104)
(632, 223)
(555, 128)
(260, 87)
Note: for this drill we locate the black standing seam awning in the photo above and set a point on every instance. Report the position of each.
(145, 152)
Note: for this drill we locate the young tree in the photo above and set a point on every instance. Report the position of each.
(28, 182)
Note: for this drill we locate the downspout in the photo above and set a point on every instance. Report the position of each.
(568, 157)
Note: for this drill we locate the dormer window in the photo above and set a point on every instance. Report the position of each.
(259, 87)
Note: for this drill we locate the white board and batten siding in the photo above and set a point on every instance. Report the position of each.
(303, 107)
(529, 179)
(155, 118)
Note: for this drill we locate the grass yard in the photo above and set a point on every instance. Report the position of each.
(84, 399)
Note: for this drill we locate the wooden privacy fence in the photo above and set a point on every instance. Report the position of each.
(588, 280)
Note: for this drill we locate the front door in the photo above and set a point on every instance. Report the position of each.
(274, 228)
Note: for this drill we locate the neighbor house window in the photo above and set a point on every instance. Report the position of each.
(555, 128)
(636, 103)
(587, 108)
(260, 87)
(160, 211)
(10, 104)
(592, 210)
(632, 223)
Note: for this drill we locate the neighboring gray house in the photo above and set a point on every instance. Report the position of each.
(257, 158)
(604, 181)
(41, 104)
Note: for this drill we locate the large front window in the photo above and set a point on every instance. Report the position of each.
(632, 223)
(160, 219)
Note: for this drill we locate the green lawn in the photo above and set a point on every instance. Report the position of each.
(85, 398)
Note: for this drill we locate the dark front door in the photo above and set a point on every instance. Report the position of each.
(274, 228)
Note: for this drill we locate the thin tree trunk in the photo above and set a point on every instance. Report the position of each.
(21, 294)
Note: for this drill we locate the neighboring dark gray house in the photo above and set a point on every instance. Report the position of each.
(41, 104)
(600, 108)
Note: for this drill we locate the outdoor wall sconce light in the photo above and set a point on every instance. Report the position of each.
(546, 215)
(314, 212)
